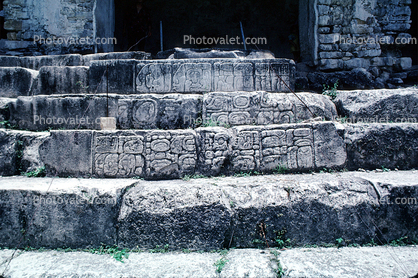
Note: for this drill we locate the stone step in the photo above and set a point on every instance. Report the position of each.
(210, 151)
(165, 154)
(37, 62)
(210, 213)
(379, 261)
(168, 111)
(133, 76)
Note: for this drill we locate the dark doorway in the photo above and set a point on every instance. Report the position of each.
(411, 50)
(273, 20)
(3, 32)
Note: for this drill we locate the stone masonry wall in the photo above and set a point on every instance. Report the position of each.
(25, 19)
(340, 22)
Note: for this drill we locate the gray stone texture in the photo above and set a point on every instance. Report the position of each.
(62, 80)
(204, 53)
(209, 214)
(379, 106)
(262, 108)
(67, 153)
(360, 33)
(55, 213)
(167, 111)
(16, 81)
(377, 146)
(61, 112)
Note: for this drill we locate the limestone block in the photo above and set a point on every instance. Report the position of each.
(152, 215)
(63, 80)
(379, 106)
(8, 153)
(16, 81)
(36, 62)
(373, 146)
(204, 75)
(112, 76)
(68, 153)
(136, 55)
(55, 112)
(262, 108)
(149, 111)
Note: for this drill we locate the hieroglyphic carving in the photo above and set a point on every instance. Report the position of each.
(170, 154)
(193, 78)
(245, 108)
(246, 151)
(144, 113)
(292, 148)
(266, 77)
(154, 77)
(214, 150)
(224, 77)
(244, 77)
(118, 156)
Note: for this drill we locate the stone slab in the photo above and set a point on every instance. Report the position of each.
(301, 262)
(262, 108)
(241, 263)
(192, 75)
(62, 80)
(67, 153)
(379, 106)
(16, 81)
(165, 111)
(211, 213)
(381, 261)
(380, 146)
(39, 113)
(136, 55)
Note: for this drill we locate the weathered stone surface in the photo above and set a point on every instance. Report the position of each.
(379, 261)
(136, 55)
(37, 62)
(181, 215)
(373, 146)
(8, 153)
(5, 110)
(63, 80)
(240, 263)
(67, 153)
(168, 111)
(55, 112)
(195, 53)
(112, 76)
(211, 213)
(16, 81)
(59, 213)
(262, 108)
(379, 106)
(19, 151)
(204, 75)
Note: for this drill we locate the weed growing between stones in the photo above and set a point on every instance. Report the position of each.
(39, 172)
(159, 249)
(330, 91)
(220, 264)
(278, 268)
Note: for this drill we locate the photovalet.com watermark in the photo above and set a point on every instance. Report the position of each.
(227, 40)
(378, 40)
(73, 40)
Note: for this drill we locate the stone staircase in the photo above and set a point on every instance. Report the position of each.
(188, 118)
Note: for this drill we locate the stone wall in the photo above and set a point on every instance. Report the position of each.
(25, 19)
(368, 23)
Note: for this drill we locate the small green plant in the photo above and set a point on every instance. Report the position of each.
(159, 249)
(330, 91)
(280, 240)
(279, 268)
(114, 251)
(220, 264)
(340, 242)
(385, 169)
(40, 172)
(281, 169)
(187, 251)
(399, 242)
